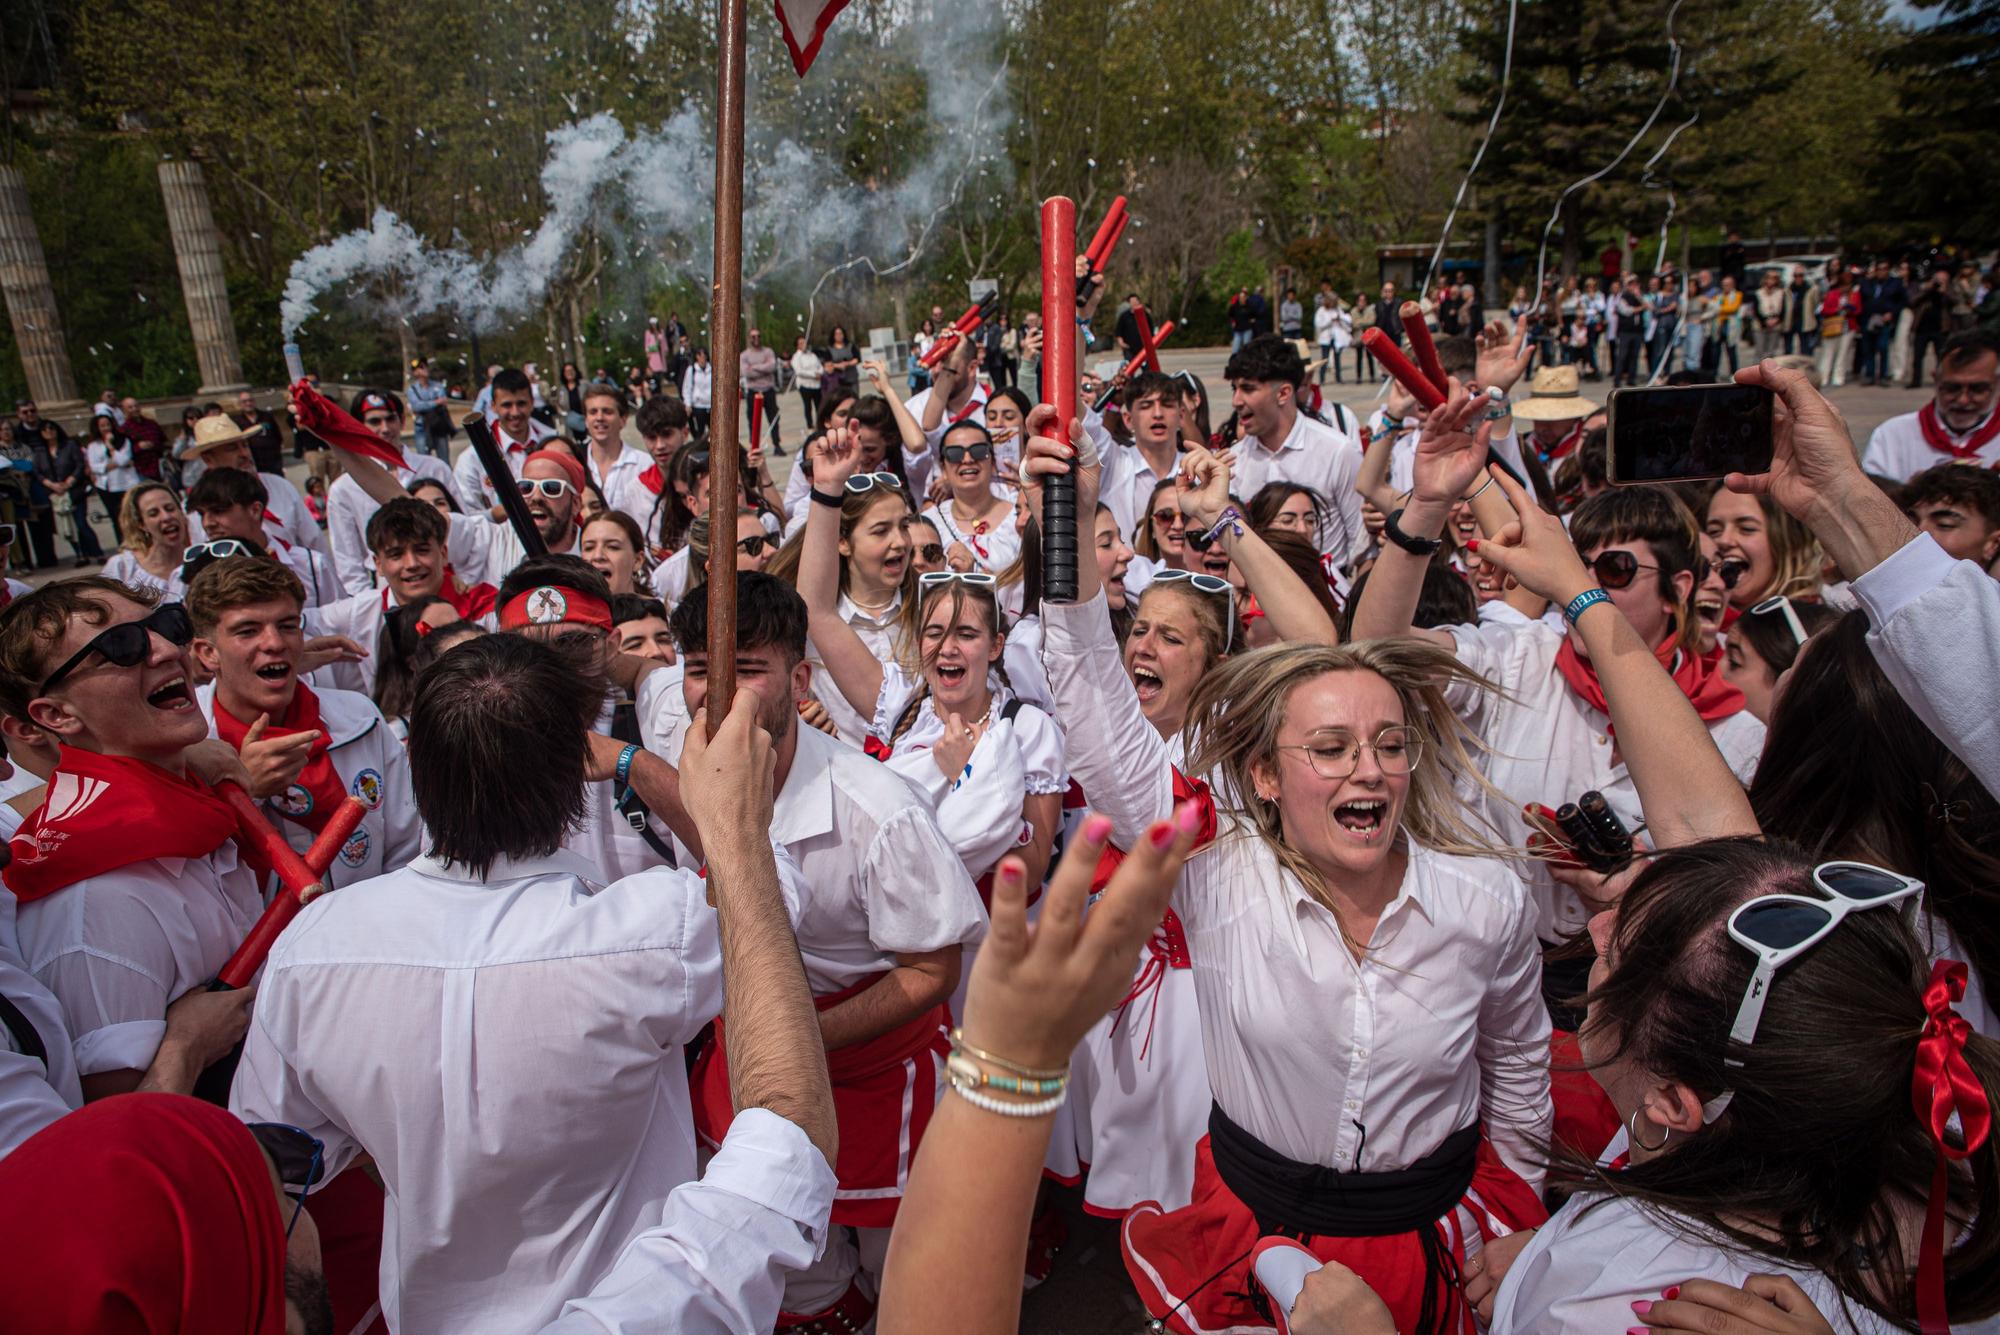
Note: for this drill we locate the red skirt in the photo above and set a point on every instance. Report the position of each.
(1192, 1267)
(884, 1092)
(347, 1211)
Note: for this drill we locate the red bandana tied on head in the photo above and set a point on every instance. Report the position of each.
(334, 425)
(1940, 440)
(106, 812)
(1944, 1087)
(550, 605)
(141, 1214)
(318, 792)
(1712, 697)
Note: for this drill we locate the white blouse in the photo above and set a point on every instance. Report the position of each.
(1362, 1065)
(993, 548)
(125, 568)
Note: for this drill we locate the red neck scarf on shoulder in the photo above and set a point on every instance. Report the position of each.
(318, 788)
(1940, 440)
(106, 812)
(1712, 697)
(652, 479)
(470, 601)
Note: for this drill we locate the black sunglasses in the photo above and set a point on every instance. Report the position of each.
(299, 1158)
(754, 544)
(932, 552)
(127, 644)
(1616, 570)
(957, 454)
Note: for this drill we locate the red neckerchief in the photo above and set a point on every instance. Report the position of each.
(970, 404)
(318, 783)
(470, 601)
(652, 479)
(106, 812)
(1940, 440)
(1167, 949)
(1712, 697)
(1563, 446)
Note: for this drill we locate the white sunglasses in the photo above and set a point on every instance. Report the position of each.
(1207, 584)
(1783, 604)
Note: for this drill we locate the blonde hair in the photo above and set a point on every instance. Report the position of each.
(137, 539)
(1239, 707)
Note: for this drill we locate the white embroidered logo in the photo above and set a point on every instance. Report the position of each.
(72, 795)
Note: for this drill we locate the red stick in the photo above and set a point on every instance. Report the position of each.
(1420, 343)
(1102, 240)
(1148, 354)
(1396, 364)
(340, 827)
(1103, 261)
(1147, 348)
(756, 418)
(300, 883)
(1059, 307)
(975, 315)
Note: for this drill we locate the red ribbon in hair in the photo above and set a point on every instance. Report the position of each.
(1944, 1086)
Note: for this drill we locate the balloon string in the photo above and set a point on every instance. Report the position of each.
(1660, 260)
(1492, 124)
(1555, 214)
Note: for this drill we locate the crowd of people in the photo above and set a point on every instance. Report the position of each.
(1410, 883)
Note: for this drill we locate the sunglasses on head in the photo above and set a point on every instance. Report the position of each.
(299, 1158)
(552, 488)
(978, 579)
(861, 482)
(1781, 603)
(958, 454)
(1211, 584)
(1616, 570)
(128, 643)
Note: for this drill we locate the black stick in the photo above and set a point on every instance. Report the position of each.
(503, 482)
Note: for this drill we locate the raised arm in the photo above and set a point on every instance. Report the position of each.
(853, 666)
(1372, 482)
(1684, 784)
(907, 429)
(1202, 488)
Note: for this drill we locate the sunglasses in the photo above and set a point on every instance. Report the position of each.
(958, 454)
(299, 1158)
(1616, 570)
(1777, 929)
(197, 557)
(932, 552)
(1729, 570)
(978, 579)
(754, 544)
(862, 482)
(1783, 604)
(1207, 584)
(1167, 518)
(127, 644)
(551, 488)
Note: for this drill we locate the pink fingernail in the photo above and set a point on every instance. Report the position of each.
(1637, 1330)
(1672, 1293)
(1189, 817)
(1012, 872)
(1641, 1307)
(1161, 834)
(1097, 829)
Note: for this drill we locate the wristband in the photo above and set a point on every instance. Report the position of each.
(1231, 519)
(1001, 1107)
(821, 498)
(1583, 602)
(1414, 546)
(625, 764)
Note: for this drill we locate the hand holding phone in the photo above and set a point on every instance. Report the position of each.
(1678, 433)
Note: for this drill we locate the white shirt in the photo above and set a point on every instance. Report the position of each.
(621, 486)
(879, 634)
(807, 369)
(348, 510)
(485, 551)
(1127, 486)
(1439, 1025)
(1584, 1268)
(716, 1262)
(315, 571)
(697, 385)
(1933, 619)
(32, 1094)
(111, 466)
(374, 767)
(359, 617)
(509, 1049)
(1317, 456)
(125, 568)
(1548, 746)
(670, 577)
(475, 489)
(993, 550)
(1898, 450)
(116, 949)
(1332, 325)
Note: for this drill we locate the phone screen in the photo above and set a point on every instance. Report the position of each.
(1675, 433)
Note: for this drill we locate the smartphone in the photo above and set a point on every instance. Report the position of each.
(1678, 433)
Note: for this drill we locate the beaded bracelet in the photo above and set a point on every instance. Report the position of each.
(958, 1043)
(961, 1066)
(1002, 1108)
(1583, 602)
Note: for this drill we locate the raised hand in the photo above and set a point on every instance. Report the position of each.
(1503, 357)
(1043, 455)
(838, 459)
(1812, 455)
(1201, 487)
(726, 783)
(1451, 448)
(955, 747)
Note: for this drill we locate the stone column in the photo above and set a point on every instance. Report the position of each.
(198, 248)
(31, 302)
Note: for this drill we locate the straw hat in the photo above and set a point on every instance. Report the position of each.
(210, 432)
(1553, 397)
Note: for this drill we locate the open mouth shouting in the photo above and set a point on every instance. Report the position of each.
(1366, 818)
(275, 674)
(1147, 684)
(172, 695)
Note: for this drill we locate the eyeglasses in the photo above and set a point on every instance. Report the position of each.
(300, 1159)
(1616, 570)
(958, 454)
(551, 488)
(754, 544)
(978, 579)
(1777, 929)
(1207, 584)
(1167, 518)
(1339, 754)
(127, 644)
(862, 482)
(1783, 604)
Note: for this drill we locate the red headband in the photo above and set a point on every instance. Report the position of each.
(1944, 1085)
(552, 605)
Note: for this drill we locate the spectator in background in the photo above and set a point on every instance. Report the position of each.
(1127, 328)
(807, 372)
(1734, 257)
(697, 385)
(1728, 328)
(1333, 330)
(1260, 311)
(1770, 314)
(66, 475)
(426, 400)
(1389, 314)
(107, 406)
(1839, 316)
(1930, 312)
(267, 443)
(1363, 314)
(149, 443)
(1291, 315)
(482, 403)
(992, 345)
(658, 347)
(757, 366)
(921, 342)
(1242, 325)
(1031, 357)
(1628, 332)
(1010, 354)
(1883, 297)
(1801, 314)
(839, 368)
(109, 455)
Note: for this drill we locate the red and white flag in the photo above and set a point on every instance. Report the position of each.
(805, 23)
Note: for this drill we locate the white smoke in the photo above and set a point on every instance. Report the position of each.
(653, 191)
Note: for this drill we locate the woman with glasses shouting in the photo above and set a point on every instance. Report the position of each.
(1366, 991)
(976, 522)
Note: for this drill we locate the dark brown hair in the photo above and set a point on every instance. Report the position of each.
(34, 624)
(238, 581)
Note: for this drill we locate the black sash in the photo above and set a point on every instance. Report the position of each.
(1307, 1199)
(27, 1039)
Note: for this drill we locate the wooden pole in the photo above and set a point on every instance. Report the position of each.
(725, 325)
